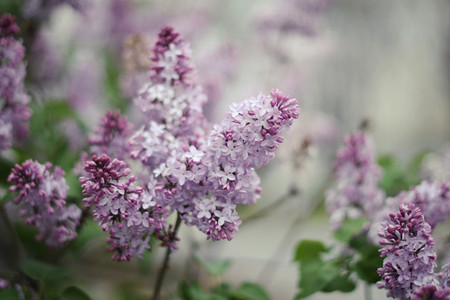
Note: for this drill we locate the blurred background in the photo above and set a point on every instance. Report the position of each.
(381, 65)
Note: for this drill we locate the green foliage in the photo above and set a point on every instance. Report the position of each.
(317, 274)
(112, 85)
(369, 260)
(10, 294)
(214, 268)
(397, 178)
(47, 141)
(43, 271)
(349, 228)
(224, 291)
(13, 7)
(74, 293)
(309, 249)
(89, 231)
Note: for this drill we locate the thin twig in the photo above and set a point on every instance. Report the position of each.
(165, 265)
(367, 292)
(293, 191)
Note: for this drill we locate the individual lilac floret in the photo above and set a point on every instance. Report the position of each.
(42, 196)
(408, 250)
(112, 136)
(355, 193)
(14, 111)
(125, 211)
(433, 198)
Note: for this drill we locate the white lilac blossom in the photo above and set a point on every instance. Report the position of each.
(119, 207)
(355, 192)
(433, 198)
(408, 250)
(185, 168)
(14, 111)
(42, 199)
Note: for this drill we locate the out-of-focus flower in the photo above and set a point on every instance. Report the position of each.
(436, 166)
(355, 192)
(42, 196)
(41, 9)
(14, 111)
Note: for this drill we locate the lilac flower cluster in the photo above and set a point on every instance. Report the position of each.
(198, 173)
(112, 136)
(355, 192)
(125, 211)
(14, 111)
(409, 258)
(433, 199)
(407, 271)
(42, 195)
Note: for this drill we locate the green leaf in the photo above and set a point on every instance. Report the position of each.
(309, 248)
(252, 291)
(9, 294)
(40, 270)
(393, 180)
(89, 232)
(315, 275)
(369, 261)
(214, 268)
(192, 292)
(13, 7)
(74, 293)
(349, 228)
(341, 283)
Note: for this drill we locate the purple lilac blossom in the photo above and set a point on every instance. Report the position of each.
(4, 284)
(14, 111)
(186, 169)
(125, 211)
(355, 192)
(431, 292)
(42, 196)
(433, 198)
(112, 136)
(408, 250)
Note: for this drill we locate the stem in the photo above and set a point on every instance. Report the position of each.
(165, 264)
(272, 206)
(367, 292)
